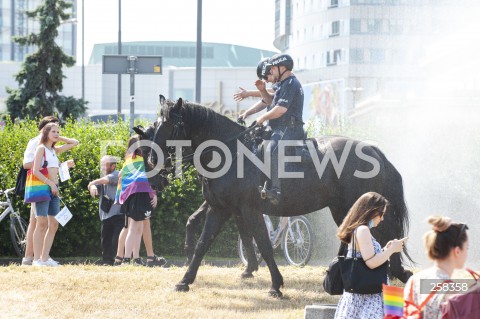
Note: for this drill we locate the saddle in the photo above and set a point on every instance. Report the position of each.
(262, 134)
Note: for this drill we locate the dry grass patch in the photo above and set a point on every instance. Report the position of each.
(87, 291)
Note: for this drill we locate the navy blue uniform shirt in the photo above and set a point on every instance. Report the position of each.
(290, 95)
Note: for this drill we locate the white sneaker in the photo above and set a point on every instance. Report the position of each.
(50, 263)
(50, 260)
(38, 263)
(27, 261)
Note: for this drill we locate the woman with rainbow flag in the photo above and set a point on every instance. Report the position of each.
(43, 190)
(138, 199)
(366, 213)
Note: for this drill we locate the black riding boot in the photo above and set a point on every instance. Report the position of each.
(274, 193)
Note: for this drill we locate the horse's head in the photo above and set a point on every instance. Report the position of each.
(159, 180)
(147, 135)
(170, 126)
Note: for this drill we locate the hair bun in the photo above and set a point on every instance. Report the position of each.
(440, 223)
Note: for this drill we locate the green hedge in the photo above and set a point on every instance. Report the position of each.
(81, 237)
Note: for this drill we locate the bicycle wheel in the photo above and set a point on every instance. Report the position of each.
(298, 241)
(243, 254)
(18, 233)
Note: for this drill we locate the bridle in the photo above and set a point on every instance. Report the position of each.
(176, 120)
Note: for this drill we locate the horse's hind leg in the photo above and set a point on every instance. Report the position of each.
(262, 239)
(213, 224)
(247, 241)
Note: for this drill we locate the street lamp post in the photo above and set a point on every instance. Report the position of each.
(83, 50)
(119, 96)
(354, 91)
(198, 66)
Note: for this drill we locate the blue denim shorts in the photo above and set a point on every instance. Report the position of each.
(50, 208)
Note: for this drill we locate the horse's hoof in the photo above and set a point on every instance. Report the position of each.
(275, 293)
(182, 288)
(246, 275)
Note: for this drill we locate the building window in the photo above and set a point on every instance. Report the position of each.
(337, 56)
(184, 52)
(159, 50)
(356, 56)
(191, 52)
(377, 56)
(335, 29)
(334, 57)
(374, 25)
(333, 3)
(208, 53)
(355, 26)
(395, 26)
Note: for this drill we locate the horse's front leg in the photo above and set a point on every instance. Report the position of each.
(262, 239)
(192, 225)
(213, 224)
(247, 241)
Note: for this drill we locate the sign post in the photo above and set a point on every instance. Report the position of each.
(130, 64)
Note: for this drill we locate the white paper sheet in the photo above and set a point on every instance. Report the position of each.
(64, 216)
(63, 172)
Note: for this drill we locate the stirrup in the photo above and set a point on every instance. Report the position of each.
(273, 195)
(263, 190)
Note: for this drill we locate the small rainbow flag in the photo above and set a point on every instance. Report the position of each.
(393, 301)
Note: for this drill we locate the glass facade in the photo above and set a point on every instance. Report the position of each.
(14, 22)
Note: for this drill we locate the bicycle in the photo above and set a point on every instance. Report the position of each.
(293, 234)
(18, 226)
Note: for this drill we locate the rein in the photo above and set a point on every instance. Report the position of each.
(188, 157)
(178, 126)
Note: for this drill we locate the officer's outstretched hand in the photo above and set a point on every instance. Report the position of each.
(240, 95)
(260, 84)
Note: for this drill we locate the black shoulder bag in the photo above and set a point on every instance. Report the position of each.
(332, 283)
(21, 182)
(105, 201)
(359, 278)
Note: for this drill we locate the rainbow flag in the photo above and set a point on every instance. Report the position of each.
(133, 179)
(393, 301)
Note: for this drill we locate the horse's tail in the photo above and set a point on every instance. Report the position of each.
(393, 191)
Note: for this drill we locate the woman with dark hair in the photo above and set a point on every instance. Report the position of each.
(447, 245)
(138, 201)
(366, 213)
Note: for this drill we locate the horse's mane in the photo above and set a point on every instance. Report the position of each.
(198, 115)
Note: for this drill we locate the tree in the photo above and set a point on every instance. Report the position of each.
(40, 77)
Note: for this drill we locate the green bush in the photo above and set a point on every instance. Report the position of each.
(81, 236)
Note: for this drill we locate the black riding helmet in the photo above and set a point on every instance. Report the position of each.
(263, 69)
(279, 60)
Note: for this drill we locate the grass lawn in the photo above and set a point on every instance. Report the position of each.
(89, 291)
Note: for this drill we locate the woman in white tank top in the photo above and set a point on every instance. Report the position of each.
(47, 225)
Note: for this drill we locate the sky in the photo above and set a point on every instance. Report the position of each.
(245, 22)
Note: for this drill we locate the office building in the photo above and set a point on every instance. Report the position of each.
(14, 22)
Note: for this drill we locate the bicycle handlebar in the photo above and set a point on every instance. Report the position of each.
(7, 191)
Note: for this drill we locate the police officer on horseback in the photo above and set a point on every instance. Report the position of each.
(284, 116)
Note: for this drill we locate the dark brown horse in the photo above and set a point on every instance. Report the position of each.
(340, 171)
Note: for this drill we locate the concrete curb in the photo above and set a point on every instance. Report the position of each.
(320, 311)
